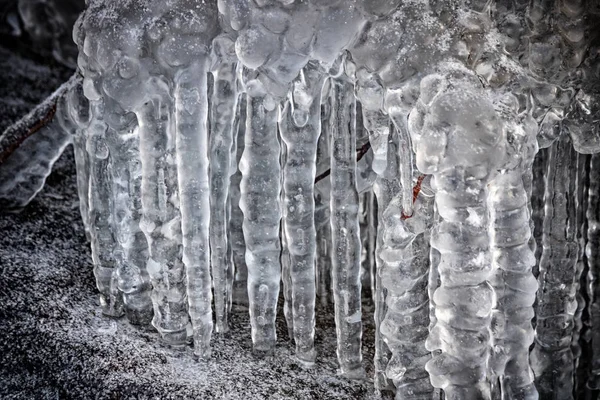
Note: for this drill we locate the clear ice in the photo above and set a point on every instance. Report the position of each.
(441, 155)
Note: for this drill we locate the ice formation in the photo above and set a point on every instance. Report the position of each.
(229, 150)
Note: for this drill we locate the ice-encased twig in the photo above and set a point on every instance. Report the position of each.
(345, 238)
(161, 222)
(552, 357)
(191, 115)
(30, 147)
(223, 109)
(100, 206)
(260, 202)
(592, 251)
(300, 128)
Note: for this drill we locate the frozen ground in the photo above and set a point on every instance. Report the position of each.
(55, 345)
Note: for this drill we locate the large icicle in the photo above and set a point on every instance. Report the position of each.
(131, 250)
(515, 286)
(300, 128)
(260, 198)
(460, 141)
(552, 357)
(161, 220)
(191, 113)
(345, 229)
(223, 109)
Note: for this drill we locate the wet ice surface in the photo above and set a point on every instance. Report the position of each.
(55, 343)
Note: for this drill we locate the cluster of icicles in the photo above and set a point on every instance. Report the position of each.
(227, 154)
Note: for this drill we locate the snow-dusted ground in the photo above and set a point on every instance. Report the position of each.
(55, 345)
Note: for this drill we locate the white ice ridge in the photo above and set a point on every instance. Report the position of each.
(226, 147)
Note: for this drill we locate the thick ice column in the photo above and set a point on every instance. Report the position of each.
(552, 357)
(514, 284)
(161, 222)
(460, 141)
(300, 128)
(223, 109)
(260, 202)
(191, 119)
(592, 251)
(100, 205)
(345, 229)
(463, 302)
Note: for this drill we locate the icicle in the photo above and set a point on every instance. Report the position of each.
(513, 257)
(223, 108)
(514, 284)
(581, 186)
(286, 278)
(363, 221)
(592, 252)
(161, 219)
(100, 195)
(260, 195)
(552, 357)
(236, 234)
(300, 129)
(131, 250)
(371, 242)
(540, 166)
(405, 157)
(322, 200)
(191, 113)
(345, 230)
(79, 111)
(433, 283)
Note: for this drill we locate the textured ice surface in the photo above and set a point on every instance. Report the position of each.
(226, 151)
